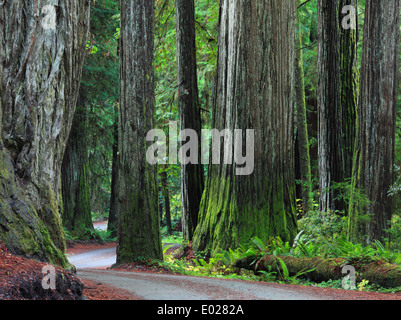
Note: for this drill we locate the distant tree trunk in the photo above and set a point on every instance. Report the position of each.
(302, 127)
(349, 77)
(336, 102)
(192, 176)
(41, 56)
(166, 197)
(374, 158)
(329, 103)
(74, 172)
(139, 227)
(255, 90)
(112, 225)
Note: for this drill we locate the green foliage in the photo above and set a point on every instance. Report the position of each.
(89, 234)
(175, 237)
(318, 225)
(100, 82)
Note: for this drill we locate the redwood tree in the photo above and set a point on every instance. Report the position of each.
(255, 90)
(137, 194)
(76, 213)
(336, 102)
(192, 176)
(302, 152)
(374, 157)
(42, 49)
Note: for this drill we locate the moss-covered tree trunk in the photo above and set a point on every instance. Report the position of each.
(192, 175)
(137, 206)
(374, 157)
(319, 269)
(336, 102)
(302, 127)
(255, 90)
(42, 49)
(74, 172)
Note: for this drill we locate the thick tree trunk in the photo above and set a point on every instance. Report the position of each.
(255, 90)
(374, 158)
(139, 227)
(41, 62)
(192, 176)
(74, 173)
(336, 102)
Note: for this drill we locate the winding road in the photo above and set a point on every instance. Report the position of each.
(93, 264)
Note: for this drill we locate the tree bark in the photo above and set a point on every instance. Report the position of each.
(40, 72)
(166, 197)
(349, 77)
(378, 272)
(374, 157)
(192, 176)
(139, 227)
(329, 103)
(336, 103)
(255, 90)
(76, 213)
(302, 127)
(112, 224)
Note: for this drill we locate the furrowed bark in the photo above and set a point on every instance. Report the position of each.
(254, 90)
(76, 213)
(40, 72)
(192, 176)
(302, 127)
(336, 103)
(349, 77)
(137, 207)
(374, 158)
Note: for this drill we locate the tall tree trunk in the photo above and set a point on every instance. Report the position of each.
(139, 227)
(42, 49)
(329, 103)
(336, 103)
(349, 77)
(74, 172)
(374, 158)
(192, 176)
(255, 90)
(166, 196)
(302, 127)
(112, 224)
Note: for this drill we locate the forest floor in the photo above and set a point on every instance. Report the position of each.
(140, 282)
(20, 279)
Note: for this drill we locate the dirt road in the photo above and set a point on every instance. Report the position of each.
(92, 265)
(151, 286)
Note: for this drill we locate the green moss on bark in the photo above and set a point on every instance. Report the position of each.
(21, 229)
(226, 220)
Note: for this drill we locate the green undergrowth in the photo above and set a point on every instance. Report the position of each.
(173, 237)
(89, 235)
(222, 264)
